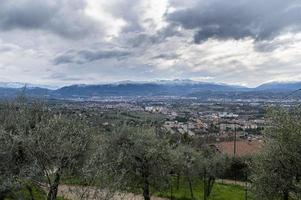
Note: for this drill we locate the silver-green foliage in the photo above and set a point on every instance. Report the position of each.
(59, 145)
(277, 170)
(39, 146)
(199, 164)
(138, 158)
(16, 166)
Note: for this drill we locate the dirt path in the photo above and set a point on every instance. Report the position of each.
(92, 193)
(231, 182)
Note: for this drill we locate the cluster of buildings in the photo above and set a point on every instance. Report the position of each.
(221, 125)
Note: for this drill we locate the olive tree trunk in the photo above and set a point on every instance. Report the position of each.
(190, 187)
(146, 193)
(285, 195)
(3, 195)
(208, 185)
(52, 194)
(145, 173)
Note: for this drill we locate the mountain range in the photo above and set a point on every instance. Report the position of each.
(156, 88)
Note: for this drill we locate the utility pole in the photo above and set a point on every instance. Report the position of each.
(246, 190)
(235, 133)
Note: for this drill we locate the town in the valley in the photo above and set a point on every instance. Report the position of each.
(233, 127)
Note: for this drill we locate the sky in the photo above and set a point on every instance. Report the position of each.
(63, 42)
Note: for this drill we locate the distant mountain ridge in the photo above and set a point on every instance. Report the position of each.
(140, 89)
(175, 87)
(18, 85)
(280, 86)
(34, 92)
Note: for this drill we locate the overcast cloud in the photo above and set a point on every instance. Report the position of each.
(59, 42)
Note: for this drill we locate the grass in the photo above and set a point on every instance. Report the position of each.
(219, 192)
(37, 192)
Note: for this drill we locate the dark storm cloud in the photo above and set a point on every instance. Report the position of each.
(268, 46)
(166, 56)
(142, 39)
(135, 40)
(237, 19)
(127, 10)
(24, 14)
(63, 59)
(62, 77)
(4, 49)
(86, 56)
(64, 18)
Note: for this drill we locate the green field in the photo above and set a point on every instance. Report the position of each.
(219, 192)
(37, 194)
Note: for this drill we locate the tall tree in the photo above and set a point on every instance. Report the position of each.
(277, 169)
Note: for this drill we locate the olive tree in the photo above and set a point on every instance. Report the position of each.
(59, 144)
(277, 170)
(185, 161)
(203, 163)
(36, 143)
(211, 165)
(8, 162)
(17, 166)
(138, 158)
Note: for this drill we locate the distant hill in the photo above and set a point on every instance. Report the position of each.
(158, 88)
(279, 86)
(34, 92)
(169, 88)
(18, 85)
